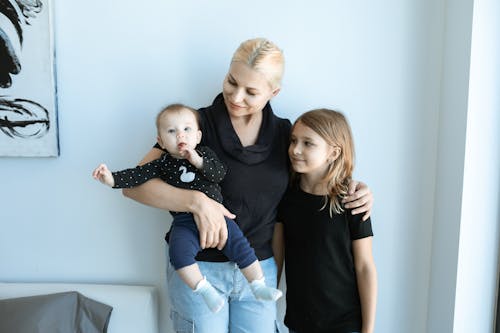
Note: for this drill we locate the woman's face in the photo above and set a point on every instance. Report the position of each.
(245, 90)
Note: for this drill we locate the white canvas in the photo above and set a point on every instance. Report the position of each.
(28, 108)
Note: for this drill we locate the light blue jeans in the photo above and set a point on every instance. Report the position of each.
(242, 313)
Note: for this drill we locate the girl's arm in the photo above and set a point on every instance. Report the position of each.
(360, 198)
(366, 275)
(208, 214)
(279, 247)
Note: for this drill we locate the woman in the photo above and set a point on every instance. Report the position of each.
(242, 129)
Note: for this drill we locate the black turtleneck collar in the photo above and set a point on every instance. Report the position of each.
(230, 141)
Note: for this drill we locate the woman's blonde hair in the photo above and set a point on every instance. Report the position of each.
(334, 128)
(263, 56)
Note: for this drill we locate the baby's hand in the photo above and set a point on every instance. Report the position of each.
(192, 156)
(102, 174)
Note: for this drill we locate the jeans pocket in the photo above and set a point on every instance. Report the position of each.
(181, 324)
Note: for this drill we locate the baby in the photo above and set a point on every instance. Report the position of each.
(189, 166)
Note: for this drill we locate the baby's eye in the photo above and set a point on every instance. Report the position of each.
(187, 129)
(171, 131)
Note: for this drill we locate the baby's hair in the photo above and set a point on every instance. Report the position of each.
(334, 128)
(263, 56)
(176, 108)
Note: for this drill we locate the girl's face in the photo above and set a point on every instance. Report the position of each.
(245, 90)
(309, 153)
(178, 131)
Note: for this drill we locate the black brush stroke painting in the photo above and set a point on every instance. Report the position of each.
(21, 117)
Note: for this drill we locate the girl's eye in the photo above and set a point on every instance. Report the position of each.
(251, 93)
(308, 144)
(231, 82)
(293, 140)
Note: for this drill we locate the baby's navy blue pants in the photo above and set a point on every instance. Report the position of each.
(184, 243)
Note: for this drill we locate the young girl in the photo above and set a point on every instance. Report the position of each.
(330, 272)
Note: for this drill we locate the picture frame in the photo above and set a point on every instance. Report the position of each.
(28, 90)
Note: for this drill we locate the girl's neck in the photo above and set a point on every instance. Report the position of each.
(313, 185)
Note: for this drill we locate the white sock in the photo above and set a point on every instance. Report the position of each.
(263, 292)
(213, 299)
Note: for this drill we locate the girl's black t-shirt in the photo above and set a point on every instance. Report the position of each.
(256, 178)
(322, 293)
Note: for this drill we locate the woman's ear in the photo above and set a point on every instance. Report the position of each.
(276, 92)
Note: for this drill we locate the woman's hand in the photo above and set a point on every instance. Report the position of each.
(209, 217)
(360, 198)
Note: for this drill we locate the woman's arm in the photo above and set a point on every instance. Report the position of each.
(208, 214)
(360, 198)
(279, 247)
(157, 193)
(366, 275)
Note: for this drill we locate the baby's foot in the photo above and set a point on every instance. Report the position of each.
(263, 292)
(213, 299)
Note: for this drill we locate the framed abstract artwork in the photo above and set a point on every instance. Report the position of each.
(28, 92)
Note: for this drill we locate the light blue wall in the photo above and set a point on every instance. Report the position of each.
(119, 62)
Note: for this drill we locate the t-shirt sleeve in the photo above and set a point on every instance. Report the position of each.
(357, 227)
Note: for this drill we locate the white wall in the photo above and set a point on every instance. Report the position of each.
(464, 269)
(450, 164)
(119, 62)
(477, 281)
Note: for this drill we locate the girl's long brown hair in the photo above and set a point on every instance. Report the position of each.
(334, 128)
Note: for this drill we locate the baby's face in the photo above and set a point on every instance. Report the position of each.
(178, 131)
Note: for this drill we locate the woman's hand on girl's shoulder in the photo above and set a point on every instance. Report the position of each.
(360, 199)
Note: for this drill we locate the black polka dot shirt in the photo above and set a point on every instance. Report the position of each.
(179, 173)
